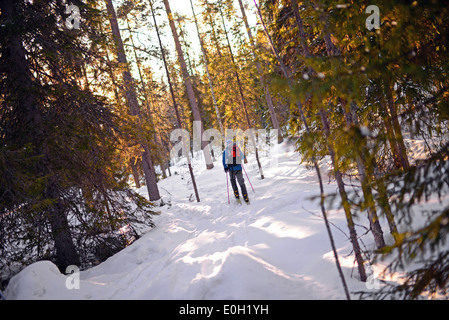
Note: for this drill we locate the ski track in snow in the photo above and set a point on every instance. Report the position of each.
(275, 248)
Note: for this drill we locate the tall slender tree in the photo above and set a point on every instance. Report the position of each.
(372, 212)
(189, 87)
(175, 104)
(134, 109)
(205, 62)
(62, 194)
(267, 93)
(143, 88)
(314, 160)
(241, 94)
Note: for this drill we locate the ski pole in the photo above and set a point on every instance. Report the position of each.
(227, 185)
(248, 178)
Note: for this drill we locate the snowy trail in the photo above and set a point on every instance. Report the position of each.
(275, 248)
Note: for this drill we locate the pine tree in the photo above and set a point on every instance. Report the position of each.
(134, 108)
(175, 104)
(63, 195)
(205, 62)
(313, 158)
(375, 82)
(242, 96)
(266, 89)
(189, 88)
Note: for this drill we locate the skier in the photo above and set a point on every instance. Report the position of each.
(232, 163)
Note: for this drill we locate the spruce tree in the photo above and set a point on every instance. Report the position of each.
(63, 194)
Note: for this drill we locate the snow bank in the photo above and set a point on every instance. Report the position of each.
(275, 248)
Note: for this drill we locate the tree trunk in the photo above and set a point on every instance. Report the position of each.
(284, 69)
(188, 83)
(380, 181)
(161, 156)
(175, 105)
(361, 164)
(301, 31)
(344, 199)
(381, 188)
(337, 172)
(396, 126)
(315, 162)
(242, 97)
(150, 174)
(32, 132)
(366, 188)
(394, 147)
(212, 25)
(269, 100)
(211, 86)
(135, 172)
(66, 253)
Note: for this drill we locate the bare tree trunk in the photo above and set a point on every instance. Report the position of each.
(315, 162)
(361, 163)
(132, 160)
(283, 67)
(161, 156)
(175, 105)
(380, 181)
(188, 83)
(344, 199)
(132, 164)
(301, 31)
(220, 123)
(396, 126)
(366, 187)
(337, 172)
(269, 100)
(150, 174)
(394, 147)
(242, 97)
(385, 205)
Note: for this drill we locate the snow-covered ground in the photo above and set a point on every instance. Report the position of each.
(275, 248)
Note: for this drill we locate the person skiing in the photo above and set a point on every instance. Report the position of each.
(232, 163)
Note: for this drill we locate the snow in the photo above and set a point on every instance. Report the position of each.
(365, 131)
(275, 248)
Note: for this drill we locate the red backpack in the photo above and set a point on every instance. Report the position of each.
(236, 157)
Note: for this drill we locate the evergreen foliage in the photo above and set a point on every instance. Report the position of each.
(78, 126)
(64, 194)
(378, 89)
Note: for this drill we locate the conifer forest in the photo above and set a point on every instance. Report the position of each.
(102, 103)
